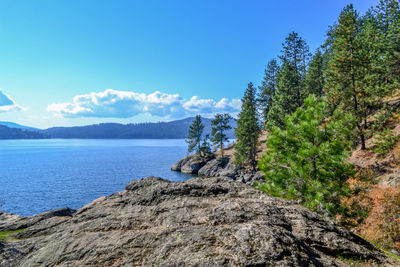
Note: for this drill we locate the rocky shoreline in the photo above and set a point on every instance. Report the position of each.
(213, 166)
(201, 222)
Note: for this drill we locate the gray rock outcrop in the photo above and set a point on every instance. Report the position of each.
(190, 164)
(213, 167)
(200, 222)
(216, 167)
(12, 222)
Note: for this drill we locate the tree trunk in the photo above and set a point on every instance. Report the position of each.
(355, 102)
(362, 140)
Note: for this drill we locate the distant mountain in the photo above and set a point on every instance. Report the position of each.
(160, 130)
(16, 133)
(18, 126)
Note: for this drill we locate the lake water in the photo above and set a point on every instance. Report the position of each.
(40, 175)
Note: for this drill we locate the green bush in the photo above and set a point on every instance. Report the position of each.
(382, 118)
(384, 142)
(306, 161)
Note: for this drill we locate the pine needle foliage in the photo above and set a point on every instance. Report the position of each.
(290, 84)
(220, 124)
(347, 70)
(268, 88)
(306, 160)
(194, 136)
(205, 147)
(387, 24)
(315, 79)
(248, 130)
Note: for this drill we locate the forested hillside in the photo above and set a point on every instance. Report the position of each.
(161, 130)
(332, 123)
(15, 133)
(19, 126)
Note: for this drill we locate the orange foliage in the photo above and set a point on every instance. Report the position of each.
(374, 212)
(383, 222)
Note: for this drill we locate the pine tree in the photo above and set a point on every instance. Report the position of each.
(387, 16)
(306, 161)
(267, 88)
(247, 130)
(379, 69)
(290, 87)
(195, 134)
(371, 69)
(346, 75)
(220, 124)
(205, 147)
(296, 52)
(315, 76)
(288, 96)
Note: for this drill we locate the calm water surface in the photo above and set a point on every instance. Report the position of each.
(40, 175)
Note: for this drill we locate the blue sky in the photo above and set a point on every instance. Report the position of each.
(77, 62)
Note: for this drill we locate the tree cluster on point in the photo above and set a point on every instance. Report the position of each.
(201, 144)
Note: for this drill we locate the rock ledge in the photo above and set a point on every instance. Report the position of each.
(200, 222)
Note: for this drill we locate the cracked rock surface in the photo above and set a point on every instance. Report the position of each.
(200, 222)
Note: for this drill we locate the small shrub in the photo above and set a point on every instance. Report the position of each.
(367, 176)
(357, 204)
(384, 142)
(382, 119)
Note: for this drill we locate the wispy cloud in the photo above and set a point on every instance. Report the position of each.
(124, 104)
(7, 103)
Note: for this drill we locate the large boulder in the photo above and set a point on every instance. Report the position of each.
(213, 167)
(230, 170)
(178, 166)
(190, 164)
(200, 222)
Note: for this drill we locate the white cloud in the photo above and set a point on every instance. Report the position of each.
(124, 104)
(231, 106)
(163, 105)
(196, 105)
(7, 103)
(110, 103)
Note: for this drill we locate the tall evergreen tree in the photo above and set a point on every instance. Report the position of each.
(387, 15)
(248, 130)
(296, 52)
(268, 88)
(288, 96)
(290, 87)
(371, 67)
(315, 76)
(220, 124)
(195, 134)
(345, 79)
